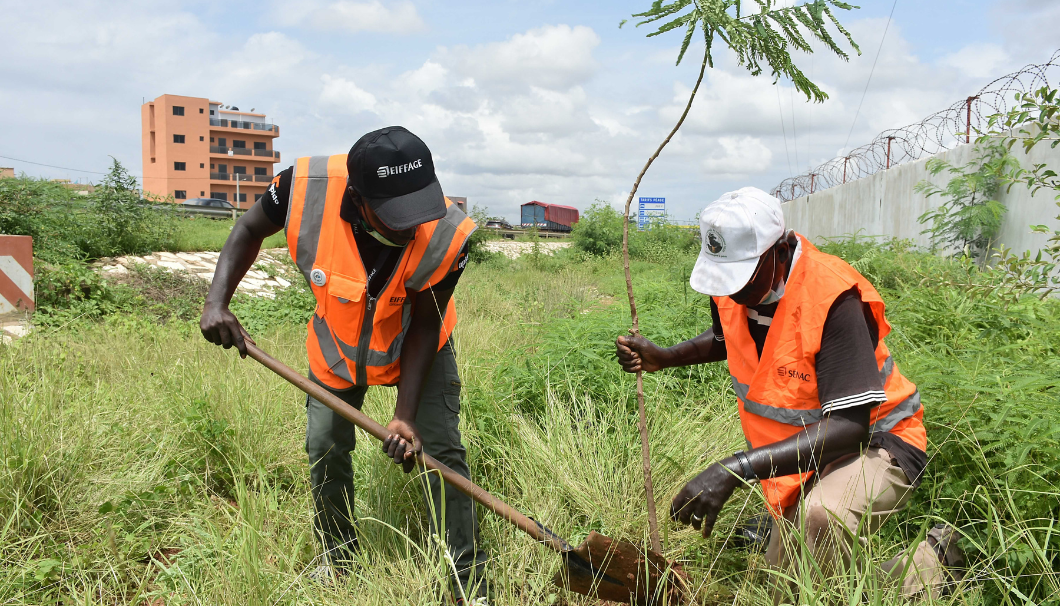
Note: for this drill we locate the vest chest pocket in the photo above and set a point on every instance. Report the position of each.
(344, 302)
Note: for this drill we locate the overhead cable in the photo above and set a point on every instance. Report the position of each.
(865, 92)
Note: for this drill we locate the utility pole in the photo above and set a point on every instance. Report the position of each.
(235, 175)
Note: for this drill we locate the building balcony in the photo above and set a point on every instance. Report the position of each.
(241, 125)
(243, 151)
(242, 178)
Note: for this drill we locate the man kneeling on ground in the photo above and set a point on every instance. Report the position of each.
(835, 433)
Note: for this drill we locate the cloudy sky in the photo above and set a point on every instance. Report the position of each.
(518, 100)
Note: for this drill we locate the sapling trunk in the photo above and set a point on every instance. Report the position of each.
(642, 423)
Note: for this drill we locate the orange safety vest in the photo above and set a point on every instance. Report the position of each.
(777, 395)
(353, 338)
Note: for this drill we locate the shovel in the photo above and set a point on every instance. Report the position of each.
(600, 567)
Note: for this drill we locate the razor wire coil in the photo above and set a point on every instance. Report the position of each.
(941, 131)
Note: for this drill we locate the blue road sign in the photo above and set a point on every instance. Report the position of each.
(648, 209)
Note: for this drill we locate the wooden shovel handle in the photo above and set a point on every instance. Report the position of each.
(452, 478)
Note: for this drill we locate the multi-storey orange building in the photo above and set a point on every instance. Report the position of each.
(197, 148)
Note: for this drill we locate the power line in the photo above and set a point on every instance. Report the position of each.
(865, 92)
(93, 172)
(53, 166)
(794, 133)
(783, 130)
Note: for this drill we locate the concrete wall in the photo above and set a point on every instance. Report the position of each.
(885, 204)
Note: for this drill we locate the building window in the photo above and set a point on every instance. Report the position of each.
(180, 166)
(222, 142)
(259, 145)
(222, 168)
(239, 170)
(202, 193)
(239, 144)
(211, 140)
(219, 195)
(180, 194)
(202, 165)
(201, 138)
(178, 110)
(242, 197)
(178, 138)
(260, 170)
(200, 110)
(213, 166)
(211, 112)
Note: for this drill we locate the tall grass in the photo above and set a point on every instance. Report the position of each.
(142, 465)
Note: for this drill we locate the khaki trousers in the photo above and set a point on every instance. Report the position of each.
(854, 496)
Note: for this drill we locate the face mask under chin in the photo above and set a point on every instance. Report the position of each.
(771, 297)
(380, 237)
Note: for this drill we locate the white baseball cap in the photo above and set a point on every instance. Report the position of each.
(737, 230)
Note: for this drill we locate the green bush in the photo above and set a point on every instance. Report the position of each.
(662, 242)
(121, 222)
(43, 210)
(113, 220)
(598, 230)
(476, 249)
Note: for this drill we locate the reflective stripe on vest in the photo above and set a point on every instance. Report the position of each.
(327, 341)
(801, 418)
(437, 249)
(905, 409)
(313, 216)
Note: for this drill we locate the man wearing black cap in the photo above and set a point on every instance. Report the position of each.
(382, 250)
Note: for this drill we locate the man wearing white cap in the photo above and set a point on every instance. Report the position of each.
(835, 433)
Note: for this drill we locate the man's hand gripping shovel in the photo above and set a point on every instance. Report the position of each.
(601, 567)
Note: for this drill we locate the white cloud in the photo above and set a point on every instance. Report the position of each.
(738, 157)
(345, 95)
(399, 17)
(555, 57)
(979, 60)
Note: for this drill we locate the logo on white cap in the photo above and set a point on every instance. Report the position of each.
(715, 244)
(317, 277)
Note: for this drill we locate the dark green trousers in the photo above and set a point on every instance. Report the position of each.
(330, 438)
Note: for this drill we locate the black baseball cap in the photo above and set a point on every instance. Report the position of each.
(393, 171)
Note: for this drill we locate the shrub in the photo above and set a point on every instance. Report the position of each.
(476, 249)
(969, 218)
(599, 230)
(41, 209)
(123, 222)
(113, 220)
(663, 243)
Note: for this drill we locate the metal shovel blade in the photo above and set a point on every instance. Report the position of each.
(620, 571)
